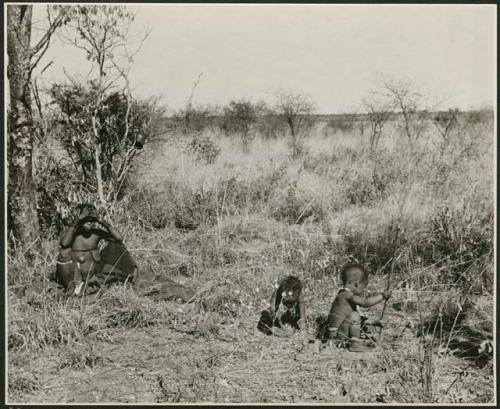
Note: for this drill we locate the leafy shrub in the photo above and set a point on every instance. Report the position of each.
(240, 117)
(58, 194)
(120, 122)
(203, 148)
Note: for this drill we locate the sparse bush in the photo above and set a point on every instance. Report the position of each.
(463, 237)
(374, 249)
(482, 116)
(446, 121)
(270, 125)
(197, 118)
(295, 110)
(239, 118)
(321, 163)
(340, 124)
(203, 148)
(295, 210)
(365, 184)
(378, 113)
(145, 208)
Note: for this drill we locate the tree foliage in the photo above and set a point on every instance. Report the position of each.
(407, 100)
(101, 31)
(240, 117)
(378, 112)
(103, 117)
(295, 109)
(122, 125)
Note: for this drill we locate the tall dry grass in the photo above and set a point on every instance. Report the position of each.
(233, 225)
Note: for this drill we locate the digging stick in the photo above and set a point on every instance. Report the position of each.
(388, 286)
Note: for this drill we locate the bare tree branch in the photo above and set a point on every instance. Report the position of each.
(45, 40)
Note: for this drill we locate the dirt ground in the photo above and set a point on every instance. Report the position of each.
(239, 364)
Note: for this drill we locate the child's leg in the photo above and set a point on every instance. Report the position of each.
(355, 333)
(354, 325)
(339, 336)
(338, 326)
(265, 323)
(344, 329)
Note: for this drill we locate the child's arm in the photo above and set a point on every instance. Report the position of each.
(69, 235)
(370, 301)
(114, 234)
(302, 309)
(276, 299)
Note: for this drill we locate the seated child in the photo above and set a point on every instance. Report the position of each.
(79, 257)
(344, 320)
(287, 307)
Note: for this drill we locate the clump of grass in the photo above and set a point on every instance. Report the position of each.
(294, 209)
(122, 307)
(21, 384)
(463, 235)
(190, 205)
(31, 262)
(410, 373)
(221, 297)
(241, 221)
(80, 356)
(45, 322)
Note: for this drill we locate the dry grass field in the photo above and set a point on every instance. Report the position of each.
(230, 222)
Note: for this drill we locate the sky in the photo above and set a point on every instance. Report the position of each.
(331, 53)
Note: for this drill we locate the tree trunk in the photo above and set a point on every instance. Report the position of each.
(292, 128)
(98, 174)
(22, 220)
(407, 124)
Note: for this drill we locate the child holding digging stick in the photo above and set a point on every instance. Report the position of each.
(344, 320)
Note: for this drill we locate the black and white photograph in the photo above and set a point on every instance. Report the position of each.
(223, 203)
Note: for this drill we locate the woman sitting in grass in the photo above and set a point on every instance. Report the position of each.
(79, 258)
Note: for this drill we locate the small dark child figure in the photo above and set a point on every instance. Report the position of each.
(287, 307)
(344, 320)
(79, 257)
